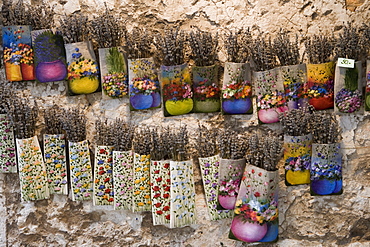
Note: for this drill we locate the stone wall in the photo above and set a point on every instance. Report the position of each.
(304, 220)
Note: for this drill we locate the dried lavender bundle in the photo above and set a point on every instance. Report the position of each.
(7, 13)
(52, 117)
(23, 115)
(238, 45)
(325, 128)
(74, 28)
(297, 122)
(160, 143)
(104, 133)
(107, 30)
(286, 50)
(7, 97)
(264, 150)
(179, 144)
(40, 16)
(231, 144)
(349, 44)
(142, 140)
(319, 48)
(138, 43)
(365, 39)
(123, 135)
(171, 46)
(74, 124)
(263, 53)
(204, 47)
(206, 142)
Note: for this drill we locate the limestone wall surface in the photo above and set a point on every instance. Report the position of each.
(305, 220)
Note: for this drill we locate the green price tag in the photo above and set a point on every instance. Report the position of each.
(346, 63)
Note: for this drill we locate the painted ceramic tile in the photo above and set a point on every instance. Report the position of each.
(32, 170)
(141, 190)
(182, 194)
(160, 190)
(123, 179)
(367, 92)
(80, 171)
(103, 176)
(209, 167)
(294, 79)
(7, 146)
(176, 90)
(56, 163)
(114, 77)
(256, 210)
(144, 84)
(18, 53)
(297, 156)
(237, 89)
(206, 90)
(326, 169)
(231, 173)
(50, 57)
(271, 99)
(320, 85)
(83, 70)
(348, 89)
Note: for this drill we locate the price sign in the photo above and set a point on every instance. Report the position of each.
(346, 63)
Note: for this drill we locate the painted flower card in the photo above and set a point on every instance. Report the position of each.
(83, 70)
(182, 194)
(326, 169)
(367, 90)
(256, 209)
(123, 179)
(294, 79)
(114, 76)
(160, 183)
(209, 167)
(177, 90)
(297, 157)
(237, 89)
(271, 99)
(348, 89)
(80, 171)
(141, 185)
(50, 57)
(103, 176)
(144, 84)
(56, 163)
(206, 89)
(231, 173)
(8, 162)
(32, 170)
(320, 85)
(18, 53)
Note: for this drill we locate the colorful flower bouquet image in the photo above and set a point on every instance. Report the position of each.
(18, 53)
(206, 89)
(326, 169)
(50, 57)
(367, 90)
(294, 79)
(144, 84)
(348, 91)
(56, 163)
(83, 70)
(32, 170)
(80, 170)
(160, 182)
(103, 176)
(237, 89)
(320, 85)
(114, 76)
(271, 100)
(123, 179)
(256, 209)
(8, 162)
(177, 90)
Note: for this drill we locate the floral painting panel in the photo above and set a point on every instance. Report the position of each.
(8, 162)
(18, 53)
(144, 84)
(103, 176)
(141, 189)
(123, 179)
(294, 78)
(367, 90)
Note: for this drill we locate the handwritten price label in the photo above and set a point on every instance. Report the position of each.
(346, 63)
